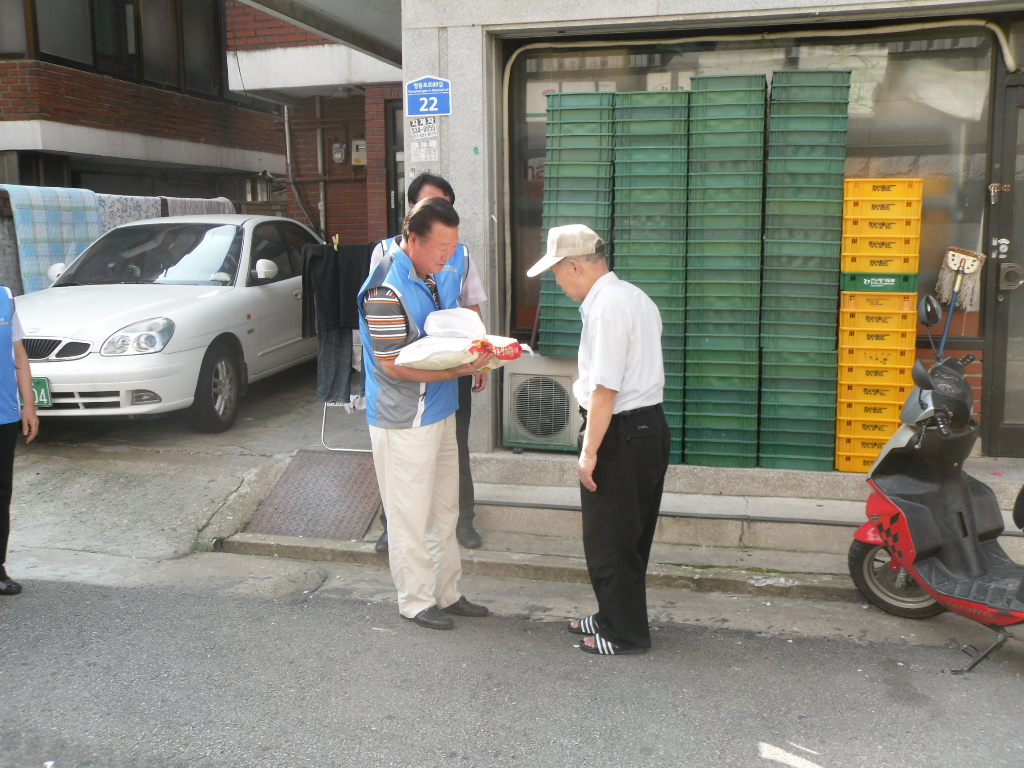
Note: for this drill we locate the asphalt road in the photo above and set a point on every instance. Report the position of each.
(199, 672)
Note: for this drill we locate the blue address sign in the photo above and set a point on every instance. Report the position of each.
(428, 96)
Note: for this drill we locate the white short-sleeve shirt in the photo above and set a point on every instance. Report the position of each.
(620, 348)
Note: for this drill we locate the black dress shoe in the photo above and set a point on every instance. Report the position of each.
(468, 537)
(382, 544)
(9, 586)
(432, 618)
(462, 607)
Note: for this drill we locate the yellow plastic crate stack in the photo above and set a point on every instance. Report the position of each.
(877, 315)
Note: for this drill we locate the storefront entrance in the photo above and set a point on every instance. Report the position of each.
(1004, 386)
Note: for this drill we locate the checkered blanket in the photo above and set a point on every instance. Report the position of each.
(52, 224)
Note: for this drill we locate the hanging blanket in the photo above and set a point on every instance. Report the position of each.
(192, 206)
(52, 224)
(122, 209)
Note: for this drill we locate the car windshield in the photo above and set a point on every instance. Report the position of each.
(175, 254)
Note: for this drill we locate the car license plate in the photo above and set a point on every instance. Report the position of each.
(41, 387)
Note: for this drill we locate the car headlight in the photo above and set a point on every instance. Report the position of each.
(139, 338)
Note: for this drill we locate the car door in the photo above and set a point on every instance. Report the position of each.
(277, 303)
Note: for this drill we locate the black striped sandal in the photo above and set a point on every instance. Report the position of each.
(604, 647)
(587, 626)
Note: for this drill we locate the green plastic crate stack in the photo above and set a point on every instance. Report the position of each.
(800, 285)
(650, 222)
(723, 275)
(577, 190)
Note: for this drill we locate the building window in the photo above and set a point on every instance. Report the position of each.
(115, 33)
(203, 51)
(12, 32)
(60, 30)
(919, 108)
(161, 47)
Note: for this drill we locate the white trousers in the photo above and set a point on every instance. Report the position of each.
(418, 475)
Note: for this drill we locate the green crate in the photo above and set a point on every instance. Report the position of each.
(821, 439)
(804, 222)
(789, 180)
(896, 282)
(732, 420)
(650, 127)
(798, 391)
(753, 108)
(651, 98)
(782, 125)
(808, 108)
(730, 124)
(801, 317)
(717, 272)
(650, 140)
(671, 303)
(576, 155)
(800, 365)
(701, 286)
(753, 194)
(753, 180)
(651, 112)
(663, 168)
(813, 165)
(702, 399)
(648, 195)
(779, 247)
(718, 208)
(727, 83)
(552, 317)
(749, 356)
(741, 266)
(817, 303)
(577, 99)
(723, 336)
(640, 275)
(753, 152)
(591, 170)
(557, 127)
(776, 415)
(804, 463)
(819, 234)
(776, 207)
(703, 454)
(809, 137)
(656, 253)
(581, 141)
(726, 166)
(699, 302)
(808, 152)
(799, 291)
(712, 224)
(751, 137)
(655, 154)
(577, 209)
(802, 269)
(626, 208)
(797, 77)
(748, 248)
(781, 340)
(583, 195)
(632, 228)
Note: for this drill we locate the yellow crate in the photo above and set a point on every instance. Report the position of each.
(870, 319)
(884, 189)
(866, 446)
(868, 409)
(876, 356)
(884, 393)
(901, 302)
(881, 245)
(877, 337)
(857, 208)
(854, 462)
(882, 227)
(875, 374)
(871, 428)
(859, 262)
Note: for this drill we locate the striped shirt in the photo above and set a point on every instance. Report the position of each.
(386, 320)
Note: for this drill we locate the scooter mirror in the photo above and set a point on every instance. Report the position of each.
(929, 311)
(919, 373)
(1018, 510)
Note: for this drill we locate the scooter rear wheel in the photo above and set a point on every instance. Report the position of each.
(871, 573)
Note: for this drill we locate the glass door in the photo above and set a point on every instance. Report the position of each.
(1003, 398)
(394, 137)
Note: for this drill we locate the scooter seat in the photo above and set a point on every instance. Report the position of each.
(1001, 587)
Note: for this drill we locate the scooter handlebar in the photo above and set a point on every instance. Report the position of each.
(967, 359)
(942, 423)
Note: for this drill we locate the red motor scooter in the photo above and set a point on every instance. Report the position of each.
(931, 540)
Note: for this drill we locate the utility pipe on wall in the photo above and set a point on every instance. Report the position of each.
(288, 164)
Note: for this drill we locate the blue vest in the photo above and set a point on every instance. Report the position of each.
(393, 403)
(10, 406)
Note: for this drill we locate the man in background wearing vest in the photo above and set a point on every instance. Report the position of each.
(624, 443)
(410, 413)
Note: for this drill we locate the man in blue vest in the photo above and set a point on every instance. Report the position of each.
(410, 413)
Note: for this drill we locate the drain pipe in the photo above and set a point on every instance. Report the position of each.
(288, 164)
(320, 170)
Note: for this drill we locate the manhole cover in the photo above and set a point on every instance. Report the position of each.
(325, 495)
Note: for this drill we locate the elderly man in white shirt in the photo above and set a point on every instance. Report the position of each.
(624, 445)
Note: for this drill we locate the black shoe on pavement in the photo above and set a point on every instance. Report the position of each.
(382, 544)
(468, 537)
(462, 607)
(432, 618)
(8, 586)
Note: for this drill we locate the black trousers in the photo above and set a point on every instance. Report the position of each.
(467, 496)
(619, 519)
(8, 439)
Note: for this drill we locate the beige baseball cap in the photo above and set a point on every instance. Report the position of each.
(568, 242)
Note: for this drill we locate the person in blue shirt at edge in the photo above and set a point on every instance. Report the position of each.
(411, 413)
(15, 379)
(473, 295)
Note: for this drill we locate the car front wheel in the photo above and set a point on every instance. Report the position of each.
(217, 391)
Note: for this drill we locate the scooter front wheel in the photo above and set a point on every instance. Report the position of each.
(894, 592)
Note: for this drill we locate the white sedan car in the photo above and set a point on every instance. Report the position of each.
(167, 314)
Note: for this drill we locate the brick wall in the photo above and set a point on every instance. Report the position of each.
(36, 90)
(249, 28)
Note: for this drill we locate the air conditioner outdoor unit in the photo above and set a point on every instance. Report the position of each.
(539, 409)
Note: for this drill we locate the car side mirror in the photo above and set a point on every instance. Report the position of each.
(266, 269)
(929, 311)
(1018, 509)
(56, 270)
